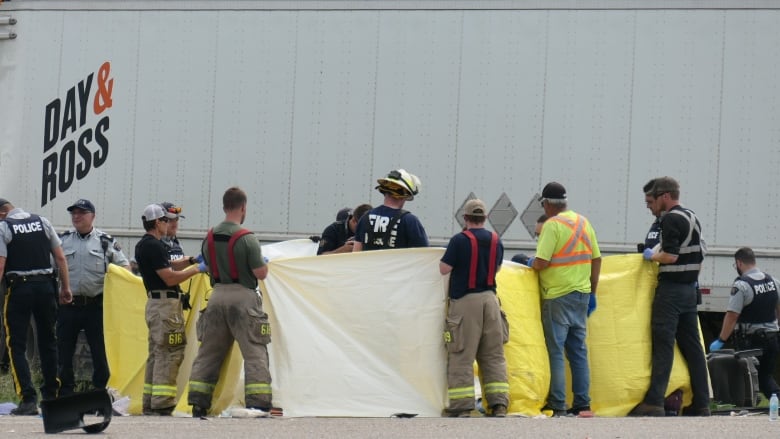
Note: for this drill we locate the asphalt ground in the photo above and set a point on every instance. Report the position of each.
(757, 426)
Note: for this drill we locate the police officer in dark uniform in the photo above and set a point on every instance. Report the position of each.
(674, 316)
(654, 234)
(170, 240)
(88, 251)
(752, 317)
(27, 243)
(338, 237)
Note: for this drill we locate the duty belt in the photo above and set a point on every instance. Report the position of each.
(163, 294)
(14, 278)
(80, 300)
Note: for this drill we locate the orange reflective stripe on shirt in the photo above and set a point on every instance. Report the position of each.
(567, 254)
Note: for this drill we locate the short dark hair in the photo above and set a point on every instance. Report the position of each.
(361, 210)
(149, 225)
(648, 186)
(665, 185)
(476, 219)
(233, 198)
(746, 255)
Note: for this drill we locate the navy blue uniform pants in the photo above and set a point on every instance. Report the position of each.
(37, 299)
(71, 319)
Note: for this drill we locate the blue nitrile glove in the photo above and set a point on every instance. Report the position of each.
(648, 254)
(716, 345)
(530, 261)
(199, 258)
(591, 303)
(520, 258)
(202, 267)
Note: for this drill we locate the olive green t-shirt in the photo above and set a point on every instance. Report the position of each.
(246, 250)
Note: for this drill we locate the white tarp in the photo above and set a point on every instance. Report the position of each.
(358, 334)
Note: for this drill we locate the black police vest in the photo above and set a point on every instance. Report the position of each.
(29, 248)
(653, 235)
(175, 252)
(688, 264)
(762, 308)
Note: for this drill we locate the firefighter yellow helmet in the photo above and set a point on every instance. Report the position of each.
(400, 184)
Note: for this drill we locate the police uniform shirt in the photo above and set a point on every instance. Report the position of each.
(458, 256)
(87, 260)
(408, 231)
(334, 236)
(6, 236)
(152, 255)
(742, 295)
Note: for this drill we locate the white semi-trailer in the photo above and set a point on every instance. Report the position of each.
(305, 103)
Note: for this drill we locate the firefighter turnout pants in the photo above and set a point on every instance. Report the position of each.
(476, 331)
(165, 320)
(234, 313)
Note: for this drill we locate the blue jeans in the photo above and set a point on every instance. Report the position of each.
(564, 321)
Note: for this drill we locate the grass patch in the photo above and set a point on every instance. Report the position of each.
(7, 390)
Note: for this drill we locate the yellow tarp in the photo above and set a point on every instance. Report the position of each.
(336, 315)
(619, 339)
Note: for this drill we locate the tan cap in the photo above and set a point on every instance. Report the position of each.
(475, 207)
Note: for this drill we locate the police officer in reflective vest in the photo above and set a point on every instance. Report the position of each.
(674, 315)
(653, 236)
(234, 312)
(753, 310)
(88, 251)
(476, 328)
(27, 243)
(389, 225)
(164, 314)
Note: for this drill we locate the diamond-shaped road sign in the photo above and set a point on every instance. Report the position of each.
(502, 214)
(531, 213)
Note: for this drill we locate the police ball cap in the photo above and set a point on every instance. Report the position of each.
(153, 212)
(554, 191)
(82, 204)
(475, 207)
(3, 202)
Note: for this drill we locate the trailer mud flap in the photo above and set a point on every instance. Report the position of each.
(68, 412)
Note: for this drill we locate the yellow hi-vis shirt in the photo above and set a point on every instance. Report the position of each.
(569, 243)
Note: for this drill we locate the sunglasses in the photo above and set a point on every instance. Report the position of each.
(174, 209)
(163, 219)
